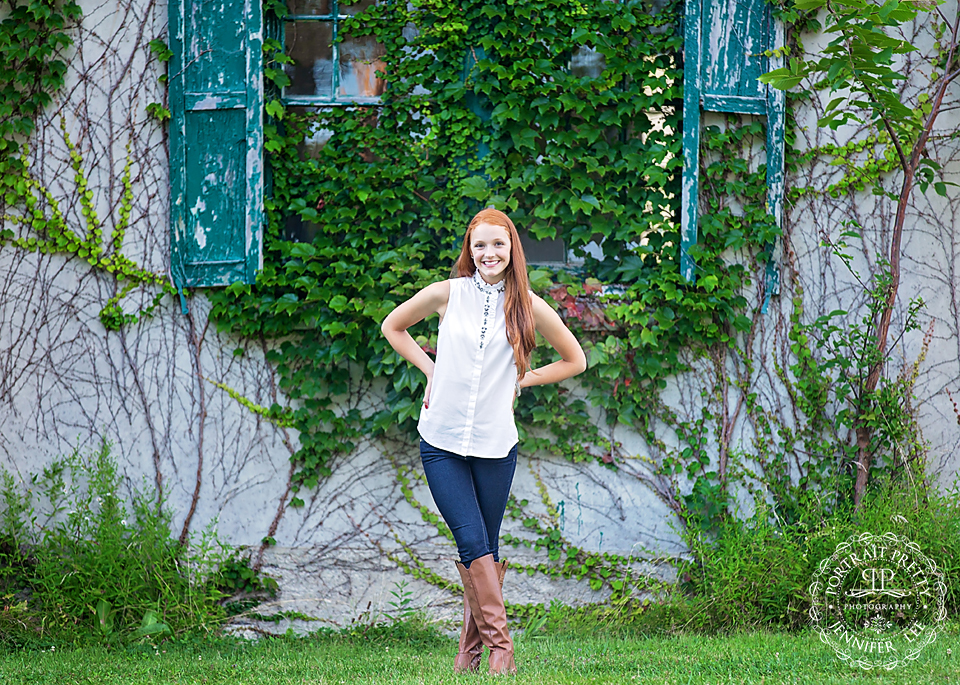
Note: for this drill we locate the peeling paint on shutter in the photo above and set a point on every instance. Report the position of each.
(216, 142)
(723, 57)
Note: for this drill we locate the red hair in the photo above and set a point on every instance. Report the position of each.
(517, 306)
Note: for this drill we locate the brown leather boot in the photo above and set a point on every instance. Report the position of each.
(481, 585)
(471, 646)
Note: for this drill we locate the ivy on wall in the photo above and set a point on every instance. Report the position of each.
(592, 158)
(588, 156)
(34, 38)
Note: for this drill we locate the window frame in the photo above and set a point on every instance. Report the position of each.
(335, 18)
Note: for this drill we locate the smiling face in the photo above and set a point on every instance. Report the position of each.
(490, 249)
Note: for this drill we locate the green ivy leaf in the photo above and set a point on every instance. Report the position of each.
(475, 187)
(274, 108)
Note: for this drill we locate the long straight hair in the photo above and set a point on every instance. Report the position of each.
(517, 306)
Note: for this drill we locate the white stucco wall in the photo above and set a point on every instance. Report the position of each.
(66, 380)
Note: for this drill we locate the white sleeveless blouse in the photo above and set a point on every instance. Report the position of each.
(471, 399)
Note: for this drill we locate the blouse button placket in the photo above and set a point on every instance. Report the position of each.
(486, 318)
(489, 310)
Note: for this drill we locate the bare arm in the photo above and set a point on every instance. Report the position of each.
(430, 300)
(551, 327)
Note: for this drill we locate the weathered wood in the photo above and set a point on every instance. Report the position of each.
(216, 142)
(733, 103)
(776, 118)
(735, 33)
(724, 46)
(315, 100)
(689, 217)
(478, 103)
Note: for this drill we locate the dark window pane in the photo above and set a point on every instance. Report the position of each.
(297, 230)
(355, 7)
(317, 7)
(587, 62)
(360, 60)
(316, 137)
(314, 142)
(542, 250)
(308, 43)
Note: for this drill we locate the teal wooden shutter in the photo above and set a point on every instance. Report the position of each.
(724, 46)
(216, 142)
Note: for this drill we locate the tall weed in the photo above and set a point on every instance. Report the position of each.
(77, 563)
(755, 572)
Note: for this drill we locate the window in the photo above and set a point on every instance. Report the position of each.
(547, 251)
(325, 71)
(586, 62)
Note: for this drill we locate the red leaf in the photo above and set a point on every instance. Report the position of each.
(591, 321)
(559, 293)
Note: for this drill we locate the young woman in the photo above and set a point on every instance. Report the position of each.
(468, 436)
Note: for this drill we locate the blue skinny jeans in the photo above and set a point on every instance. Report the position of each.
(471, 494)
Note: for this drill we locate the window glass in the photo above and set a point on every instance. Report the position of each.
(587, 62)
(360, 60)
(317, 7)
(296, 230)
(314, 142)
(542, 250)
(309, 44)
(321, 71)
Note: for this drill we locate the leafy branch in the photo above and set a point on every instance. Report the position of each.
(861, 64)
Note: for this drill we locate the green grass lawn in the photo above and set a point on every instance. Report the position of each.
(750, 658)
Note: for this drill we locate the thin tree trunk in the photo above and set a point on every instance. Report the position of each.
(864, 432)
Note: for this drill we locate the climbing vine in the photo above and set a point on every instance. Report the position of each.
(486, 105)
(858, 68)
(33, 39)
(567, 115)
